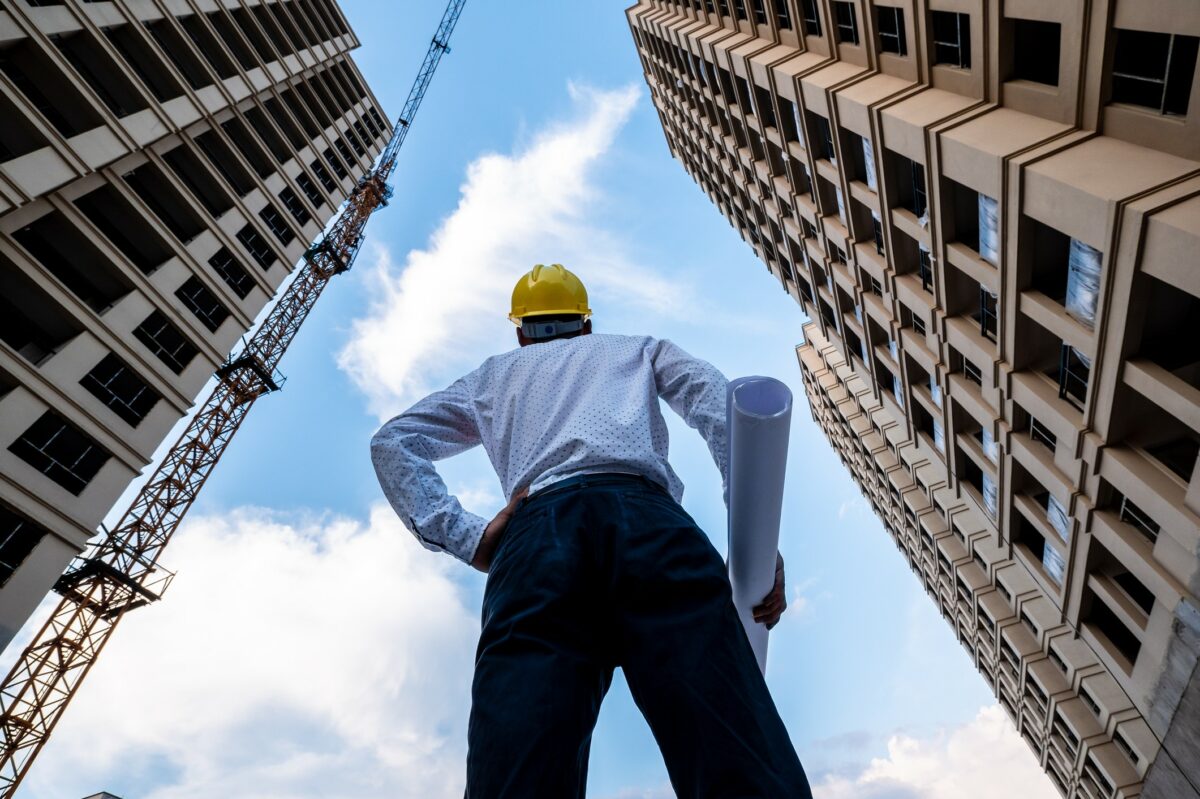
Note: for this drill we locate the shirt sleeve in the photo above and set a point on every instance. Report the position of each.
(403, 452)
(695, 390)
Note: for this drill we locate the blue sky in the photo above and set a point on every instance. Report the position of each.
(310, 647)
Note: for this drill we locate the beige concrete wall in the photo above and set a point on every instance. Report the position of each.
(936, 366)
(296, 62)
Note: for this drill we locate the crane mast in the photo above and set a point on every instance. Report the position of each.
(121, 571)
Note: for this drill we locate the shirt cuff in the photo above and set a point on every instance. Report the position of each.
(464, 538)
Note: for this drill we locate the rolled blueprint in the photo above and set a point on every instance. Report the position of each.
(759, 410)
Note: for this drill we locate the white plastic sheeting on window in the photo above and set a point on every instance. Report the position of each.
(799, 124)
(862, 345)
(990, 495)
(939, 435)
(935, 391)
(894, 349)
(858, 313)
(990, 447)
(989, 230)
(1056, 514)
(841, 201)
(898, 391)
(869, 162)
(1054, 564)
(1083, 282)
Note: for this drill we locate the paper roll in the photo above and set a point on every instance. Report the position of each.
(759, 411)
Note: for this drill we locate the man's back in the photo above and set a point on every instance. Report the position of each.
(576, 406)
(544, 413)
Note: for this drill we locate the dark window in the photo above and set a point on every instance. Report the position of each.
(225, 162)
(125, 227)
(782, 15)
(760, 12)
(1041, 434)
(234, 275)
(918, 325)
(919, 198)
(153, 188)
(144, 62)
(164, 340)
(96, 67)
(192, 173)
(952, 39)
(877, 232)
(337, 166)
(925, 269)
(355, 144)
(18, 537)
(176, 49)
(257, 246)
(891, 30)
(18, 136)
(1154, 70)
(846, 22)
(1132, 515)
(825, 137)
(31, 322)
(47, 89)
(972, 372)
(812, 19)
(987, 313)
(66, 253)
(228, 33)
(1073, 374)
(119, 387)
(310, 189)
(323, 175)
(262, 126)
(1035, 47)
(294, 206)
(271, 216)
(62, 452)
(203, 303)
(207, 44)
(343, 150)
(241, 138)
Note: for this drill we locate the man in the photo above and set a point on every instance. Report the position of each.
(592, 564)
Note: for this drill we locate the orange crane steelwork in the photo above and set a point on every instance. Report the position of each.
(122, 571)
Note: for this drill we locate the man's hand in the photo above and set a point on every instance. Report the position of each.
(775, 603)
(494, 532)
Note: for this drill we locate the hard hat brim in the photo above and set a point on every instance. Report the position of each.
(516, 318)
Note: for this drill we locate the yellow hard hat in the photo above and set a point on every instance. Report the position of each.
(548, 290)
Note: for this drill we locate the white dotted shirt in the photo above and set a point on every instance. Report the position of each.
(546, 412)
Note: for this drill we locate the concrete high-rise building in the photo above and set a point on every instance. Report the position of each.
(162, 169)
(991, 214)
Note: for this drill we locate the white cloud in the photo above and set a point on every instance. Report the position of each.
(983, 759)
(318, 657)
(445, 305)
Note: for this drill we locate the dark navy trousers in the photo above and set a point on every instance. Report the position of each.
(608, 571)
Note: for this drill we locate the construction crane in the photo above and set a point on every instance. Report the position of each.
(121, 571)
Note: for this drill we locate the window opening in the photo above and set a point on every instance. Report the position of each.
(164, 340)
(61, 451)
(115, 384)
(1154, 70)
(952, 39)
(891, 30)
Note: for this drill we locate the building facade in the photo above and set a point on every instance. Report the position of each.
(163, 167)
(991, 214)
